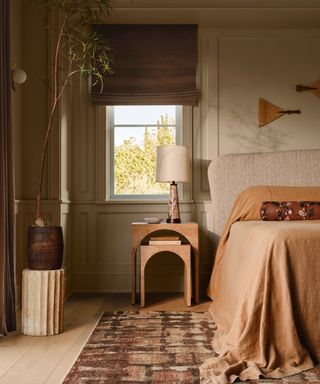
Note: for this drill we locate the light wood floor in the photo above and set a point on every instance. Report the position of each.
(35, 360)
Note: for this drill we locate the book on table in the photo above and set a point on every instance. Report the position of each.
(164, 240)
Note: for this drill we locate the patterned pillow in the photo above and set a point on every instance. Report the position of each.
(290, 210)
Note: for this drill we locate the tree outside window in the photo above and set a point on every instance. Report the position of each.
(134, 147)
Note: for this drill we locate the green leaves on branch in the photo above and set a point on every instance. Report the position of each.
(80, 49)
(77, 49)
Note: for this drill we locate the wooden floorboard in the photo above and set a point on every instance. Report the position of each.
(39, 360)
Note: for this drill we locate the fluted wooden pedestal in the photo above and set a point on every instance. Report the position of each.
(42, 302)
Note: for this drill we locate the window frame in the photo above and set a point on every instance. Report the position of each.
(111, 129)
(102, 161)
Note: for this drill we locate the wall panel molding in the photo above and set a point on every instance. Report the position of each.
(205, 125)
(203, 215)
(269, 77)
(97, 230)
(83, 158)
(82, 236)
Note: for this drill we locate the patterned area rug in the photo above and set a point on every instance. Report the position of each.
(145, 347)
(153, 347)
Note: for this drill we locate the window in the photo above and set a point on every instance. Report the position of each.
(135, 133)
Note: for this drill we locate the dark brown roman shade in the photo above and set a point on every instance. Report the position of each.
(153, 64)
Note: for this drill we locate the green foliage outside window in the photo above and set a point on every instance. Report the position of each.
(135, 164)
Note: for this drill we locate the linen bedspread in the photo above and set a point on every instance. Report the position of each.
(265, 288)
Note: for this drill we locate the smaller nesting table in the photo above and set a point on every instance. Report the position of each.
(183, 250)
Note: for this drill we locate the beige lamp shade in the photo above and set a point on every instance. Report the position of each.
(172, 163)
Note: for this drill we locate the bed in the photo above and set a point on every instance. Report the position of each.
(265, 282)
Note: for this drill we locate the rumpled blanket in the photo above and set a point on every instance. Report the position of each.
(265, 288)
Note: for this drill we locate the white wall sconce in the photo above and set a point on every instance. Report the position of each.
(18, 76)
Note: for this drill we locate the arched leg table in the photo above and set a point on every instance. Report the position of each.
(184, 251)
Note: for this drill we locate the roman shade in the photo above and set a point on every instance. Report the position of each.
(152, 65)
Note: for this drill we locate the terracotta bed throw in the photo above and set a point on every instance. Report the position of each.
(265, 288)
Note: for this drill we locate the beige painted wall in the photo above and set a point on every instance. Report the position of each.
(236, 67)
(29, 45)
(270, 67)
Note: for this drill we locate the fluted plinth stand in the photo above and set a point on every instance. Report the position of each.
(42, 302)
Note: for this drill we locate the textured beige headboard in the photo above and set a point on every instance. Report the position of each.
(231, 174)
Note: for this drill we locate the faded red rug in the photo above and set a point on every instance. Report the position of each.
(153, 347)
(145, 347)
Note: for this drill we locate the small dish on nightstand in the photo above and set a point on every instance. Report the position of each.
(153, 220)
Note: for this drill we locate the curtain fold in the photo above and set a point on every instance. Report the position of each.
(152, 64)
(7, 225)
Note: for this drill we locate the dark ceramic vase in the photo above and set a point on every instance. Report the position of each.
(45, 247)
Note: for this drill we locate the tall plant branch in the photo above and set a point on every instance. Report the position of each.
(84, 50)
(56, 98)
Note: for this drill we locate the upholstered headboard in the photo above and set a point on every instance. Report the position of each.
(231, 174)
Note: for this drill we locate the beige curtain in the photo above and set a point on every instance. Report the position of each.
(7, 233)
(152, 64)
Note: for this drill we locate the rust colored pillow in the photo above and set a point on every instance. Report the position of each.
(290, 210)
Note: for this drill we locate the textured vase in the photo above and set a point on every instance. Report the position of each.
(45, 247)
(42, 302)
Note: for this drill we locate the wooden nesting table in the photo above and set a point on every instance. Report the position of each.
(140, 231)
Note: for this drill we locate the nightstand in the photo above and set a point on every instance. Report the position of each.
(140, 231)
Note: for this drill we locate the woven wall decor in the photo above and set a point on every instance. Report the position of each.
(269, 112)
(315, 88)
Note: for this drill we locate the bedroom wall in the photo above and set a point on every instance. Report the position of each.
(244, 53)
(30, 102)
(276, 63)
(238, 67)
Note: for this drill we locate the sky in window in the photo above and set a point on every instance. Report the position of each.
(141, 114)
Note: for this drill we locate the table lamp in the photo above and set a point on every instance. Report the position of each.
(172, 166)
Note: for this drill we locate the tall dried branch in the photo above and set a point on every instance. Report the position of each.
(79, 49)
